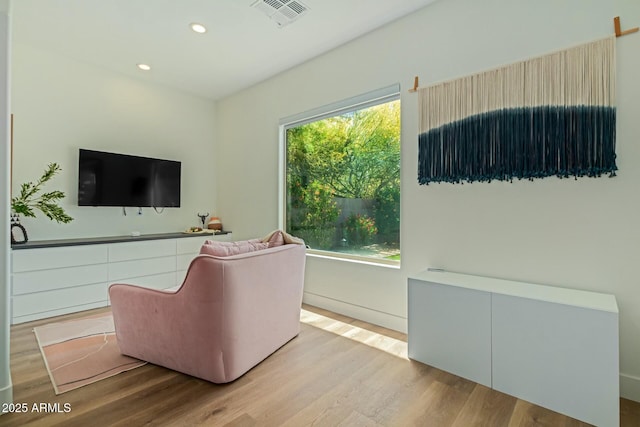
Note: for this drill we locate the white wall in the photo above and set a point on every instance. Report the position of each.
(61, 105)
(616, 271)
(572, 233)
(6, 388)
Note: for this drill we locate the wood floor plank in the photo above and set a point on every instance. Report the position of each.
(337, 402)
(356, 419)
(391, 389)
(527, 414)
(328, 375)
(629, 413)
(438, 405)
(338, 372)
(486, 407)
(243, 420)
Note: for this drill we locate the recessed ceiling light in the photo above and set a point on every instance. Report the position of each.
(144, 67)
(198, 28)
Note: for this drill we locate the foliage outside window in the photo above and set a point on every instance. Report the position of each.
(343, 182)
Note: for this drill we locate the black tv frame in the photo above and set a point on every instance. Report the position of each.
(123, 180)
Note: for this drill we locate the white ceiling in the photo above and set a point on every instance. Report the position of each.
(241, 47)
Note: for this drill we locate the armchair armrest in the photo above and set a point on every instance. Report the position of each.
(164, 327)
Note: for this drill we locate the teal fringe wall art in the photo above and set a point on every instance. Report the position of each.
(548, 116)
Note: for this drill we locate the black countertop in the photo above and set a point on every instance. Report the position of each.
(34, 244)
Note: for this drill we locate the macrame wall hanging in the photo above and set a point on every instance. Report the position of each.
(548, 116)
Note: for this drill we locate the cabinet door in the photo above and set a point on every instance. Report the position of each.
(58, 301)
(154, 281)
(450, 329)
(191, 245)
(58, 278)
(142, 250)
(66, 256)
(121, 271)
(189, 248)
(183, 261)
(557, 356)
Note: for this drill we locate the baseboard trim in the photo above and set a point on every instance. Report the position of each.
(366, 314)
(6, 396)
(630, 387)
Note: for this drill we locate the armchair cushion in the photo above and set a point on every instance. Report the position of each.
(223, 249)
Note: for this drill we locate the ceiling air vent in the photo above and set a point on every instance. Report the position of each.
(283, 12)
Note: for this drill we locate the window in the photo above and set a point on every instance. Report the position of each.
(342, 177)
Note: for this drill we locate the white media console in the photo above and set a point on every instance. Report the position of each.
(555, 347)
(51, 278)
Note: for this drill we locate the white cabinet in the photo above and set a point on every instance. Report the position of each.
(54, 280)
(51, 281)
(555, 347)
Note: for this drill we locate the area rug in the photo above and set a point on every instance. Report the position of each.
(81, 352)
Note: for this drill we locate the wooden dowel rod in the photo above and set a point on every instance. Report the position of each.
(629, 31)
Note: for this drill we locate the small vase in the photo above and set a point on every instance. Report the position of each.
(17, 230)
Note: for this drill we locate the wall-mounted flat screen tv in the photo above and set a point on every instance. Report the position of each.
(110, 179)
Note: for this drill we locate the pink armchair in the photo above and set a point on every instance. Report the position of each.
(229, 314)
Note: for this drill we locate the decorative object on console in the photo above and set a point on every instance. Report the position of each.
(30, 199)
(214, 223)
(552, 115)
(194, 230)
(203, 218)
(18, 232)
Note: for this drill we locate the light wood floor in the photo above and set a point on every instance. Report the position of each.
(337, 372)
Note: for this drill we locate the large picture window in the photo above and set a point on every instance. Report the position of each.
(342, 177)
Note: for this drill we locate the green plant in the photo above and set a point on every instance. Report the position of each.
(360, 229)
(321, 209)
(386, 212)
(47, 203)
(318, 238)
(352, 154)
(313, 214)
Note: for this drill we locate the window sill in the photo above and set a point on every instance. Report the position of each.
(315, 253)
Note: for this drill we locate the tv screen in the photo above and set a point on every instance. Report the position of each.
(110, 179)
